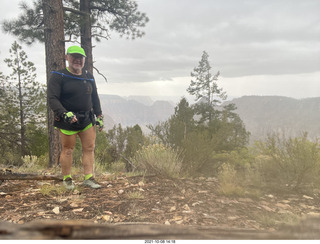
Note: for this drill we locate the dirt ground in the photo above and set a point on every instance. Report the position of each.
(153, 200)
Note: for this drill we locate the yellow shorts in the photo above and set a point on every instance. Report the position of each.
(72, 132)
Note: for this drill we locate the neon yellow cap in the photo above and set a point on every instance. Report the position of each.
(76, 49)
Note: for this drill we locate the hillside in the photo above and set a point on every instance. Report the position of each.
(261, 114)
(268, 114)
(134, 110)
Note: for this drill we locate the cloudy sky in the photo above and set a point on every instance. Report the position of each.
(260, 48)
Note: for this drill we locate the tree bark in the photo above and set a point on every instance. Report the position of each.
(54, 50)
(22, 122)
(85, 31)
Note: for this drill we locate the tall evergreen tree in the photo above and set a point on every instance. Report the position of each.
(181, 123)
(24, 96)
(175, 130)
(8, 129)
(55, 50)
(203, 85)
(83, 19)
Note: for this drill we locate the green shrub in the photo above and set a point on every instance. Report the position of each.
(230, 183)
(32, 164)
(198, 154)
(158, 159)
(290, 164)
(117, 167)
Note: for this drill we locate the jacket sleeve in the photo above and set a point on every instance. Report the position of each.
(54, 91)
(96, 101)
(95, 97)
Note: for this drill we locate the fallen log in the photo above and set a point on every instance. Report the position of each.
(8, 175)
(76, 230)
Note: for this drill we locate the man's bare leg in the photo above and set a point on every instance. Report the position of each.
(88, 139)
(68, 144)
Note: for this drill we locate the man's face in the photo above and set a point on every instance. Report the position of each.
(76, 61)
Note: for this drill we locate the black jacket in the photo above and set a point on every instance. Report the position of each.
(69, 92)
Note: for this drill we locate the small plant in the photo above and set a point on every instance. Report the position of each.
(135, 195)
(53, 190)
(274, 220)
(229, 182)
(117, 167)
(29, 161)
(158, 159)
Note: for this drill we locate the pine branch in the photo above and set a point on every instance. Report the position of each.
(74, 11)
(105, 78)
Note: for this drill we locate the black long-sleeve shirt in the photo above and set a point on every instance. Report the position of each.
(76, 93)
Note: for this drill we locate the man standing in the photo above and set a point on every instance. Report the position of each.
(73, 97)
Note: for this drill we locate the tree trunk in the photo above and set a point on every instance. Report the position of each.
(85, 31)
(22, 122)
(55, 49)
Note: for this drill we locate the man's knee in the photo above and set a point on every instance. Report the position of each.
(89, 147)
(67, 151)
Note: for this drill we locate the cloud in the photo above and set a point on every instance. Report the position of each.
(291, 85)
(255, 43)
(241, 37)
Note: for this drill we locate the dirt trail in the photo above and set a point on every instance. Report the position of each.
(152, 200)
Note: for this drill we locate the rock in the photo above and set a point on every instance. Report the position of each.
(179, 222)
(212, 179)
(283, 206)
(74, 205)
(196, 203)
(267, 208)
(186, 207)
(172, 209)
(77, 210)
(56, 210)
(313, 214)
(307, 197)
(167, 222)
(285, 201)
(245, 200)
(120, 192)
(107, 218)
(233, 217)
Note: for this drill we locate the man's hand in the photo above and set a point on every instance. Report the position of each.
(99, 122)
(70, 117)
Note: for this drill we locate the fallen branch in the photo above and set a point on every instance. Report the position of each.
(16, 176)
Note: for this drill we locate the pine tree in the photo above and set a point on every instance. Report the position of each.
(55, 49)
(181, 123)
(8, 135)
(24, 95)
(86, 20)
(203, 85)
